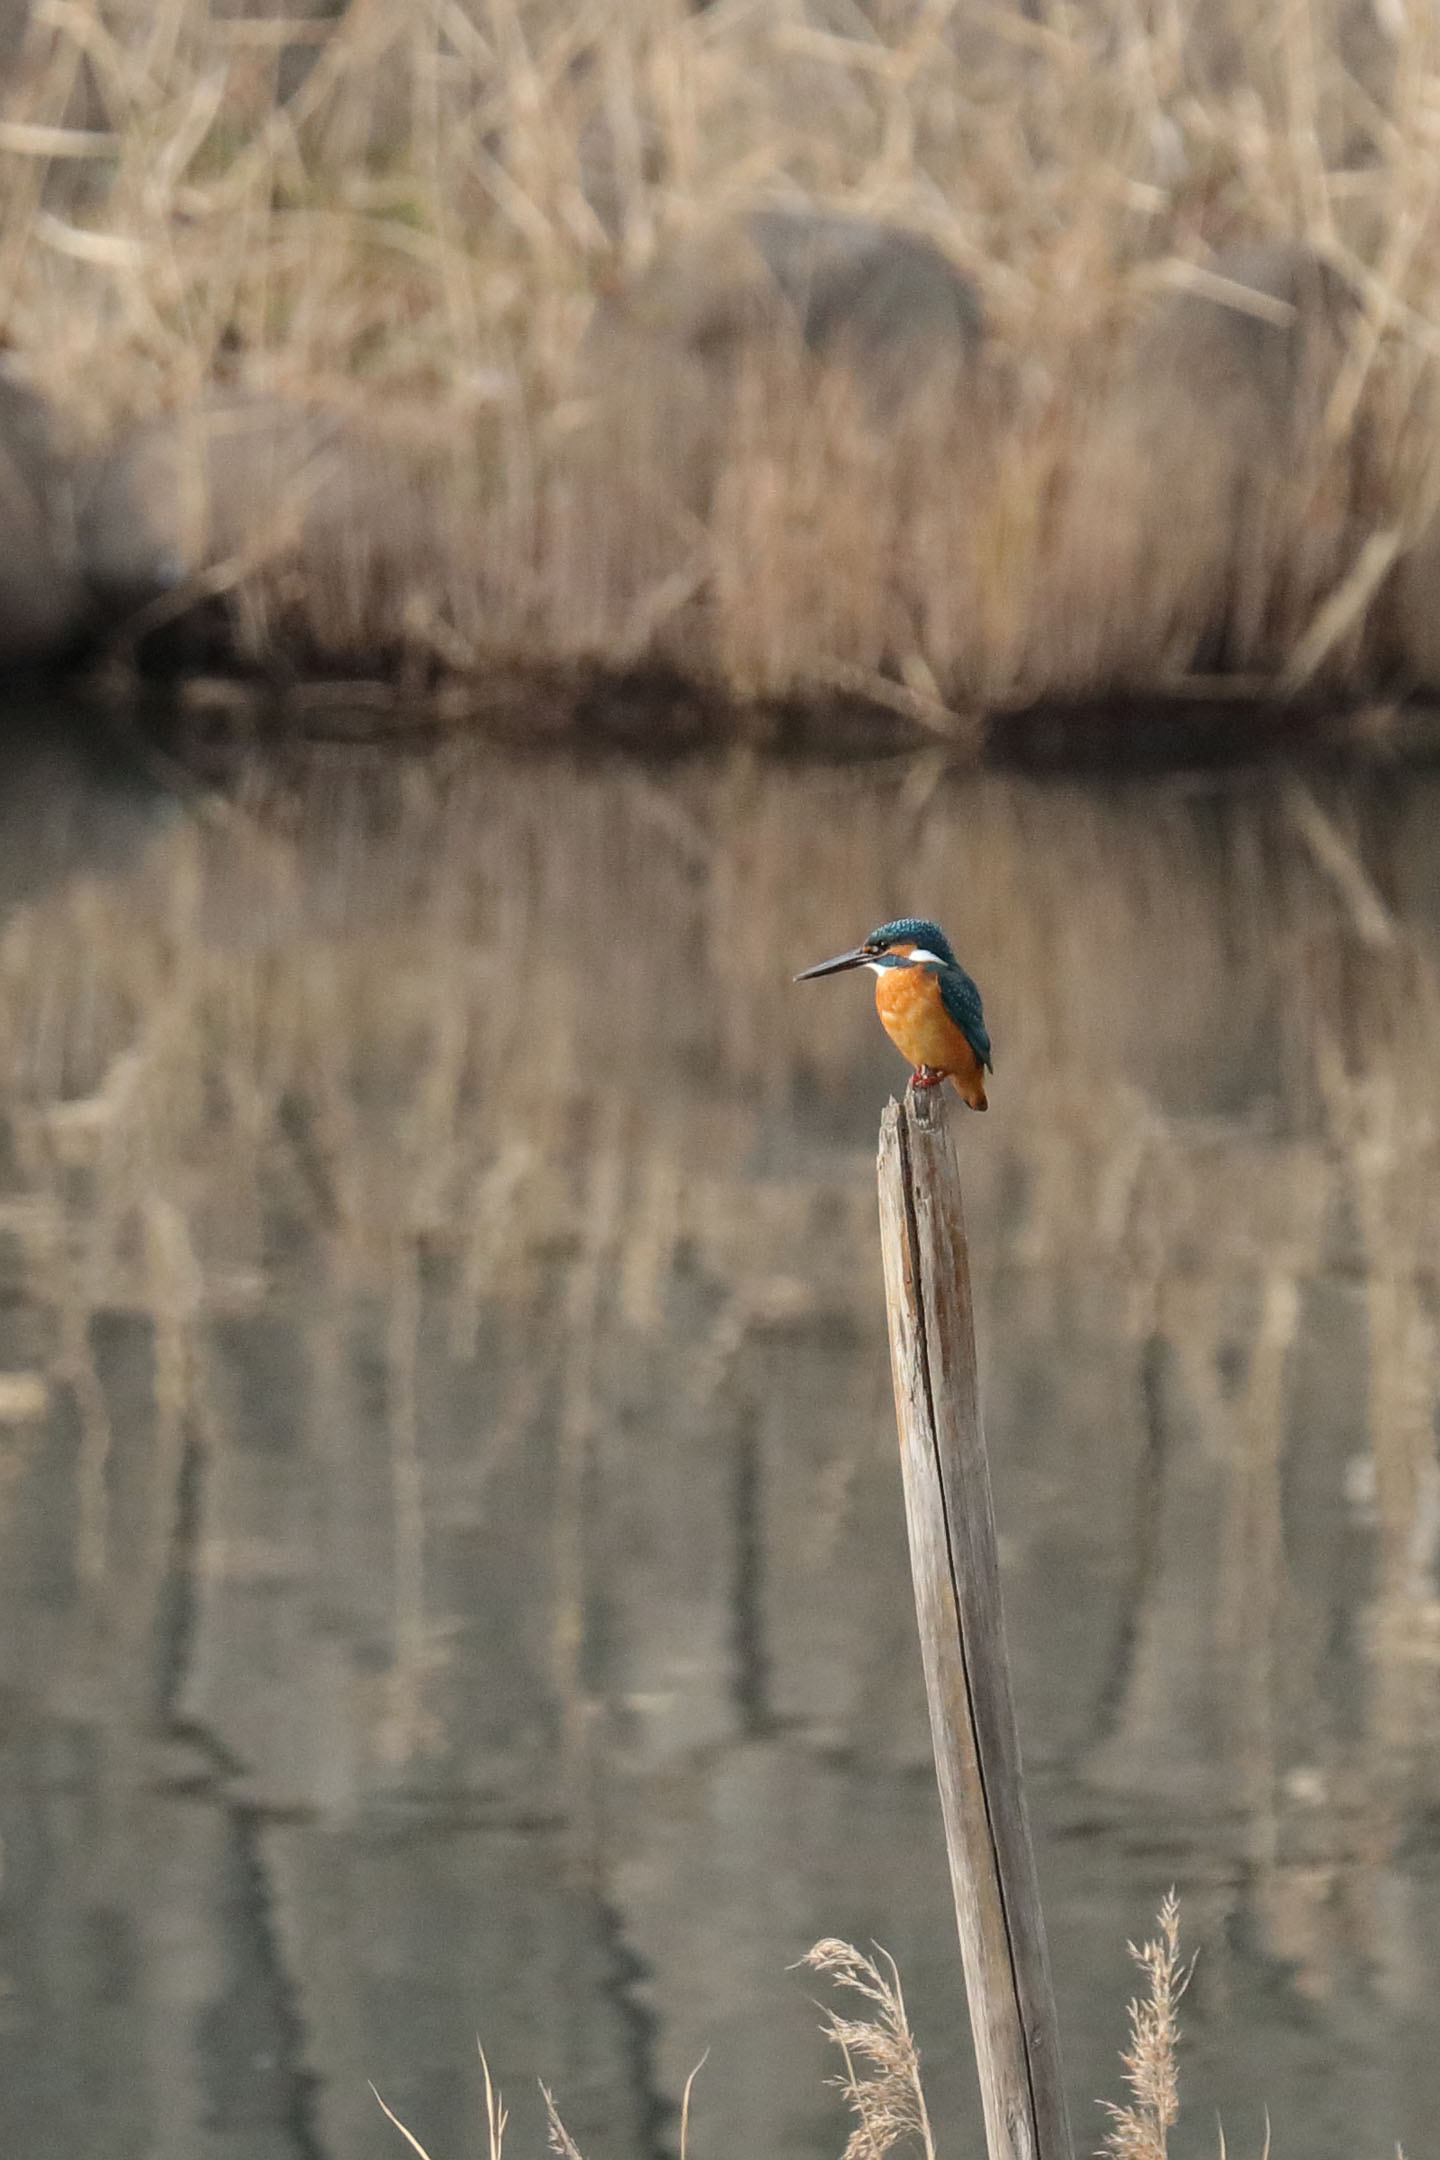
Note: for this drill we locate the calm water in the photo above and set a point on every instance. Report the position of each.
(451, 1554)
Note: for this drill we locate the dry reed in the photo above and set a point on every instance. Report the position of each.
(404, 219)
(558, 2138)
(496, 2119)
(881, 2080)
(1139, 2127)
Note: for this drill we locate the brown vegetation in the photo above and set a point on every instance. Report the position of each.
(1197, 432)
(1140, 2127)
(881, 2080)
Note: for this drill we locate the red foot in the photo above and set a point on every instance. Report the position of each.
(925, 1076)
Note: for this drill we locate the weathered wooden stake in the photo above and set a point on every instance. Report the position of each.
(962, 1635)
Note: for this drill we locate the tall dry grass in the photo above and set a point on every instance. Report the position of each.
(881, 2080)
(881, 2083)
(407, 215)
(1140, 2126)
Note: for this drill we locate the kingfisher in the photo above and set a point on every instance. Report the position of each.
(928, 1005)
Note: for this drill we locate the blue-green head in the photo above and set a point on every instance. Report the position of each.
(912, 937)
(909, 941)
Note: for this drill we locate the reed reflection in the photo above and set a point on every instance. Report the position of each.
(446, 1429)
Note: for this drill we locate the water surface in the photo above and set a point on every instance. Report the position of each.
(452, 1564)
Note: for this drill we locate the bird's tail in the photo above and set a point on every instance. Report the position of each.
(972, 1091)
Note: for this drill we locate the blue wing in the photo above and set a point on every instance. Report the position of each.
(961, 1000)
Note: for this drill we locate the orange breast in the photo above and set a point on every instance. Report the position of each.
(914, 1017)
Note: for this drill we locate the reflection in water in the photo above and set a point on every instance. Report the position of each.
(451, 1553)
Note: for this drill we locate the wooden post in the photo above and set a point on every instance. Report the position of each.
(962, 1635)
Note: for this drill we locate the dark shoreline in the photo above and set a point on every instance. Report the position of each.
(207, 723)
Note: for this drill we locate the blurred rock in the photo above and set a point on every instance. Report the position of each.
(1229, 49)
(1410, 651)
(192, 489)
(1207, 515)
(784, 351)
(268, 501)
(1269, 362)
(1413, 627)
(280, 67)
(884, 300)
(885, 304)
(14, 22)
(42, 599)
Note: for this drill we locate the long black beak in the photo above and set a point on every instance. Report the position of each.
(834, 967)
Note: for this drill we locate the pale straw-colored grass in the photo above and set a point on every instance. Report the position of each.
(557, 2137)
(497, 2117)
(1140, 2126)
(880, 2082)
(416, 235)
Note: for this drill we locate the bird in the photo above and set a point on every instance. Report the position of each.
(928, 1006)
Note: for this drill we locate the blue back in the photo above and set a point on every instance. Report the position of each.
(961, 999)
